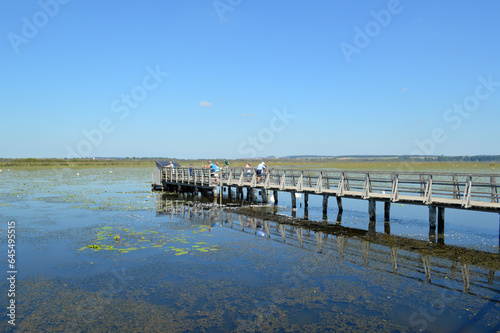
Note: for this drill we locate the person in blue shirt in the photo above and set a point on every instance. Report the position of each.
(215, 169)
(262, 166)
(191, 170)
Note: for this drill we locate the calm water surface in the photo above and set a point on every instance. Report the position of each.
(96, 251)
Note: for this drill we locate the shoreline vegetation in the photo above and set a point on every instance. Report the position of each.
(383, 163)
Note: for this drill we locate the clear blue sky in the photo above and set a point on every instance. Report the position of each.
(248, 78)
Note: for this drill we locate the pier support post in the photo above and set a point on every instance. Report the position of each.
(339, 205)
(440, 228)
(325, 206)
(250, 194)
(275, 195)
(432, 223)
(387, 227)
(294, 200)
(306, 206)
(341, 209)
(263, 194)
(371, 209)
(387, 211)
(372, 227)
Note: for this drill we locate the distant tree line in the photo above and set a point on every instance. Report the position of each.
(466, 158)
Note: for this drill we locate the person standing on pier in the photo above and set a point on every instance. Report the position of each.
(261, 167)
(215, 169)
(248, 170)
(170, 165)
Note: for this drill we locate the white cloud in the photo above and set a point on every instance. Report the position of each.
(205, 104)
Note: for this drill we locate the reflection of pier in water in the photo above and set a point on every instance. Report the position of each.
(447, 266)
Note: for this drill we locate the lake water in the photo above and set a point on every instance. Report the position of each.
(97, 251)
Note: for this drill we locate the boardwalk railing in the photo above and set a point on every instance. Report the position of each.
(460, 190)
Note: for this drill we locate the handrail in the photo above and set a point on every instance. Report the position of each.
(460, 188)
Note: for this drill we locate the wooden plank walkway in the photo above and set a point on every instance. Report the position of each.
(453, 190)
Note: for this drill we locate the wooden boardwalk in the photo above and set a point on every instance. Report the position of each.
(453, 190)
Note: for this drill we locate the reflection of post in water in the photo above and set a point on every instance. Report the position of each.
(466, 276)
(426, 260)
(267, 228)
(471, 277)
(319, 241)
(253, 223)
(282, 232)
(300, 236)
(341, 245)
(365, 245)
(241, 219)
(394, 259)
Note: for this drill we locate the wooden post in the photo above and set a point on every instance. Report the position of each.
(339, 204)
(494, 192)
(387, 211)
(325, 206)
(371, 209)
(387, 227)
(263, 194)
(249, 193)
(371, 227)
(306, 199)
(221, 186)
(432, 223)
(440, 229)
(275, 195)
(294, 200)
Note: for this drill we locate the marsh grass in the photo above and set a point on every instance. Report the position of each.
(373, 164)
